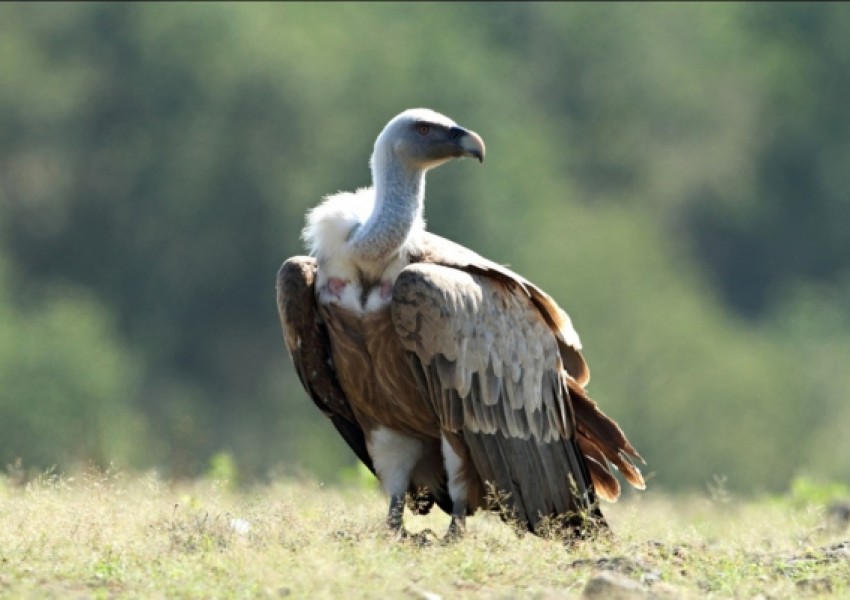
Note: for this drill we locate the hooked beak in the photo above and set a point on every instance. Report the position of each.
(469, 143)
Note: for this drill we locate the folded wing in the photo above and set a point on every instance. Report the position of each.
(309, 347)
(489, 363)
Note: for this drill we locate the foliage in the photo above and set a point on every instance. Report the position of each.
(806, 491)
(223, 469)
(67, 383)
(672, 173)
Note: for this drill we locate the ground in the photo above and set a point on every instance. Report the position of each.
(111, 534)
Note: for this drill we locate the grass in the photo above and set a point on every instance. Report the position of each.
(108, 534)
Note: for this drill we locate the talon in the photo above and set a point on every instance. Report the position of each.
(423, 538)
(457, 529)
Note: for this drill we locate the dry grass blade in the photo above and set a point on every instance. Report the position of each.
(107, 534)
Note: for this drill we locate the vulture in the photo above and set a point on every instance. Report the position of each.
(456, 381)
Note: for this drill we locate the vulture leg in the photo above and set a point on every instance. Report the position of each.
(394, 456)
(455, 456)
(395, 522)
(395, 518)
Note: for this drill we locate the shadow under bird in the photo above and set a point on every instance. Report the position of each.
(455, 380)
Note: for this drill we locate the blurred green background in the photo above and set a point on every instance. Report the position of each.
(676, 176)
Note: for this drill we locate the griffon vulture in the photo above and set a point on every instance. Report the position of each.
(455, 380)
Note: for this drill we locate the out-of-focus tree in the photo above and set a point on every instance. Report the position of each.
(644, 165)
(66, 383)
(788, 226)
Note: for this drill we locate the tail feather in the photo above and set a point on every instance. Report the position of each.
(602, 441)
(606, 485)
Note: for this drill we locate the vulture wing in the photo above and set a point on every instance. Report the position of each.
(439, 250)
(490, 366)
(308, 343)
(501, 365)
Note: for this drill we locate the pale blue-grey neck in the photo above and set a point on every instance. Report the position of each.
(399, 198)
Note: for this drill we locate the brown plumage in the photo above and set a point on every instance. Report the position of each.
(452, 378)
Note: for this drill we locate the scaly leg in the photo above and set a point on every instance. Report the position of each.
(395, 518)
(457, 490)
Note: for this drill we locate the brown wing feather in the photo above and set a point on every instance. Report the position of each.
(492, 370)
(604, 433)
(604, 482)
(307, 341)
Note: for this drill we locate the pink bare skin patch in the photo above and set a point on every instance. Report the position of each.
(336, 286)
(386, 290)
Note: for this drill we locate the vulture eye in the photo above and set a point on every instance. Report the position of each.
(423, 129)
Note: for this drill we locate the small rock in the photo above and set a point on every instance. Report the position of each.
(420, 594)
(609, 585)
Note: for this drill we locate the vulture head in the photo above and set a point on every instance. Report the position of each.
(421, 139)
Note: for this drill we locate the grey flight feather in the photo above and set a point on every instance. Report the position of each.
(493, 373)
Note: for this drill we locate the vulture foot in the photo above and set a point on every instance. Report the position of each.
(426, 537)
(456, 531)
(395, 523)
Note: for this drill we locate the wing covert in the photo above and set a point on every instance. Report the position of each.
(438, 250)
(487, 359)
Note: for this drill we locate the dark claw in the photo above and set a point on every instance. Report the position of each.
(457, 529)
(426, 537)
